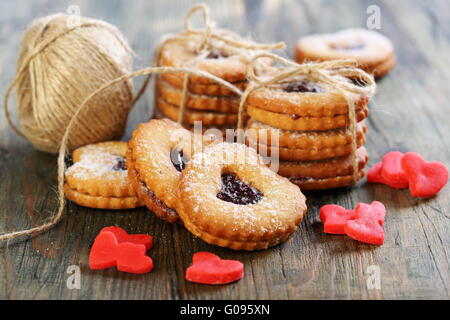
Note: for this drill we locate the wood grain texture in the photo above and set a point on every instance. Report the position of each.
(409, 113)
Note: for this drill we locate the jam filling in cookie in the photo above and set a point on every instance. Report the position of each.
(120, 164)
(236, 191)
(347, 47)
(301, 86)
(179, 159)
(216, 54)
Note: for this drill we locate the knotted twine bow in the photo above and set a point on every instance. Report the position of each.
(206, 38)
(335, 73)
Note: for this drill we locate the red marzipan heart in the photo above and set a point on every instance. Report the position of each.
(334, 218)
(391, 169)
(123, 236)
(365, 230)
(425, 178)
(107, 252)
(103, 251)
(374, 176)
(375, 210)
(207, 268)
(131, 258)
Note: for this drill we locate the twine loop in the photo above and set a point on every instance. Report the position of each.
(335, 73)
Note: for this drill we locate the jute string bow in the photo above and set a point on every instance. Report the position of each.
(334, 73)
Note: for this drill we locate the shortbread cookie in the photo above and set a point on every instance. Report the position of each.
(98, 177)
(371, 49)
(304, 98)
(340, 166)
(326, 183)
(229, 198)
(100, 202)
(190, 116)
(308, 154)
(263, 133)
(197, 102)
(157, 152)
(296, 122)
(222, 63)
(212, 89)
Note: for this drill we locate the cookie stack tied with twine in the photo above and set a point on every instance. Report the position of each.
(222, 53)
(311, 116)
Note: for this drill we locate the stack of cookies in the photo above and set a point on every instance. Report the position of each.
(218, 52)
(207, 101)
(305, 124)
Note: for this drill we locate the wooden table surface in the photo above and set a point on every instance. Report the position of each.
(408, 113)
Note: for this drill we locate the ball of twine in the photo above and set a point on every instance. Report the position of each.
(61, 62)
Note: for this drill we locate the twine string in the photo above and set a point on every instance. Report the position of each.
(32, 232)
(206, 38)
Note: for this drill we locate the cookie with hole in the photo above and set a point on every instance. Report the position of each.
(98, 177)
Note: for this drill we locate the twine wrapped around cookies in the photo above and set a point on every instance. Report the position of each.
(205, 37)
(58, 66)
(334, 73)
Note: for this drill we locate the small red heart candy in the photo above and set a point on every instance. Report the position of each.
(374, 176)
(207, 268)
(334, 218)
(365, 230)
(131, 258)
(123, 236)
(375, 210)
(103, 251)
(391, 169)
(425, 178)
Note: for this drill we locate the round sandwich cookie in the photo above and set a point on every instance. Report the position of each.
(157, 154)
(174, 96)
(297, 122)
(304, 98)
(330, 168)
(98, 177)
(373, 51)
(229, 198)
(212, 89)
(222, 62)
(263, 134)
(208, 118)
(308, 154)
(306, 183)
